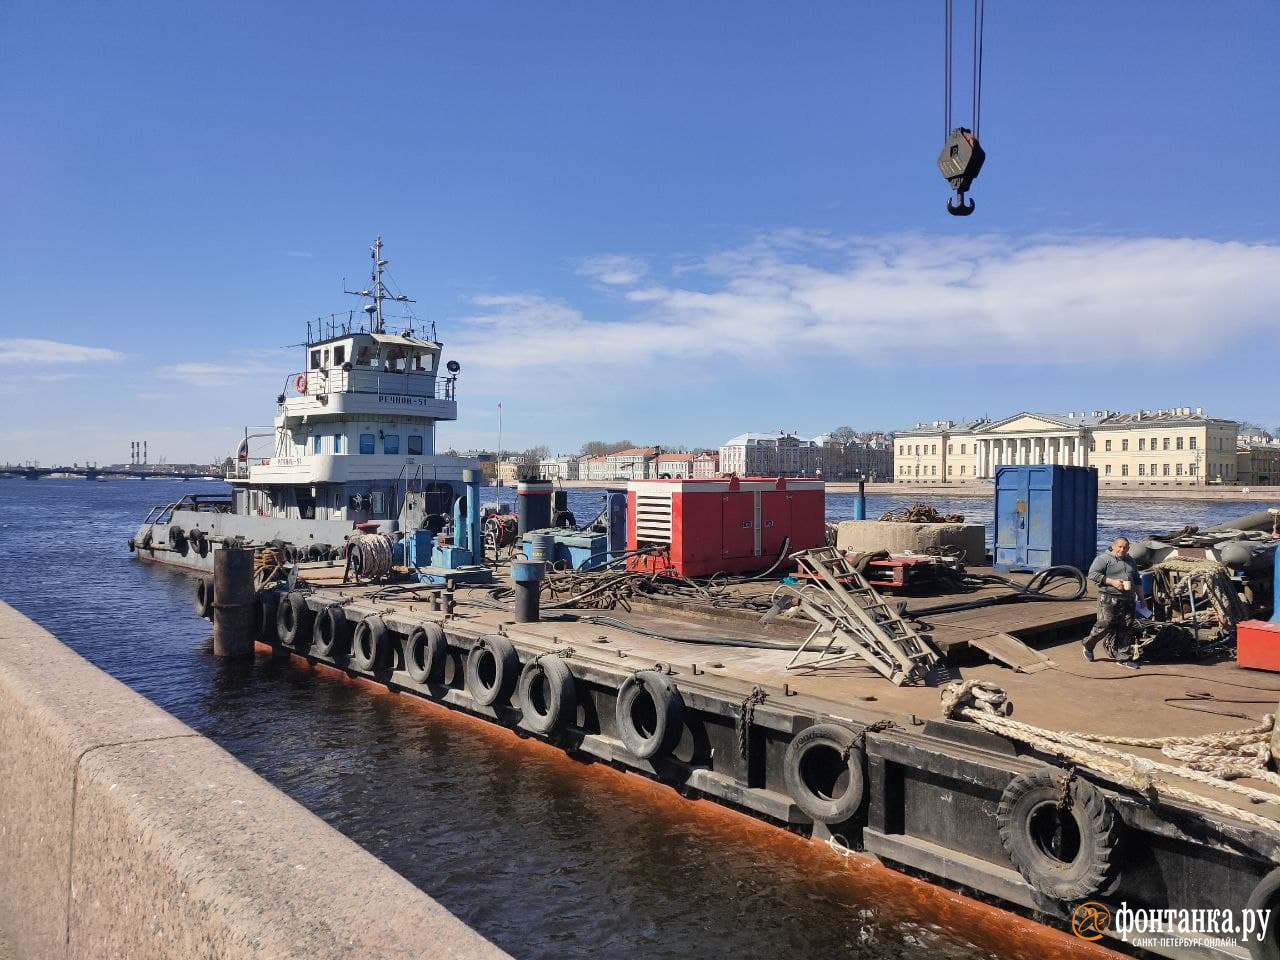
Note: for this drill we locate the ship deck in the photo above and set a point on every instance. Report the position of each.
(1052, 686)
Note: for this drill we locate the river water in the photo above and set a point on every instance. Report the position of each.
(546, 856)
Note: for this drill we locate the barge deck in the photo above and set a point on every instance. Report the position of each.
(879, 769)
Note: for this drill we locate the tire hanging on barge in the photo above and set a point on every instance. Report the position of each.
(330, 636)
(823, 768)
(294, 621)
(650, 714)
(1266, 896)
(425, 650)
(492, 670)
(204, 598)
(371, 645)
(1061, 833)
(268, 616)
(547, 696)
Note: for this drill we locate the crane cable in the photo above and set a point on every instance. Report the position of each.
(979, 16)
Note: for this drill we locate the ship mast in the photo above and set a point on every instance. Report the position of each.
(377, 291)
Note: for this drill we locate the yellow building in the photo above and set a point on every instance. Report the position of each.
(1146, 448)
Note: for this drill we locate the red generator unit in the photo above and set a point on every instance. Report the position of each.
(722, 524)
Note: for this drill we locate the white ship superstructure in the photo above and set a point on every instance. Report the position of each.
(354, 443)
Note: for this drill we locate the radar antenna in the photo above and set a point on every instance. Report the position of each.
(377, 291)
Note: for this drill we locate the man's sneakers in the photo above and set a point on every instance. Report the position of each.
(1087, 654)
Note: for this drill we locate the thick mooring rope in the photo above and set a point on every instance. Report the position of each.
(268, 565)
(371, 555)
(988, 706)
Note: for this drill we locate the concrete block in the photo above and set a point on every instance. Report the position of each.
(863, 536)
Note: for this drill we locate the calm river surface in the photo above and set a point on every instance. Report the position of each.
(545, 856)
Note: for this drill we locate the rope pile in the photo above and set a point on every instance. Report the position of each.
(922, 513)
(1211, 581)
(268, 566)
(988, 706)
(370, 555)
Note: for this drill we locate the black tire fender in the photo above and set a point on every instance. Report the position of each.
(204, 598)
(331, 634)
(492, 670)
(268, 615)
(1028, 812)
(547, 695)
(649, 714)
(1266, 896)
(294, 621)
(824, 771)
(371, 644)
(424, 651)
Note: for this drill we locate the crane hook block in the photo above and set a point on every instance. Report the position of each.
(961, 161)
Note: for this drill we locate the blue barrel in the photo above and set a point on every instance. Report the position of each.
(542, 546)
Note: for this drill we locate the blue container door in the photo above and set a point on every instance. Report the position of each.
(1039, 517)
(1011, 517)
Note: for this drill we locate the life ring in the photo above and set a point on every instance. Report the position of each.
(371, 644)
(268, 615)
(492, 670)
(649, 714)
(424, 652)
(1063, 843)
(204, 598)
(823, 769)
(546, 695)
(1266, 896)
(294, 620)
(330, 635)
(300, 383)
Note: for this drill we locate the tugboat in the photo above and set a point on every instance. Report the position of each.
(353, 450)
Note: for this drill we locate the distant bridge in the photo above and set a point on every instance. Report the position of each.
(95, 473)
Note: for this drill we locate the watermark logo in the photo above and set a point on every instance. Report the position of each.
(1152, 928)
(1090, 921)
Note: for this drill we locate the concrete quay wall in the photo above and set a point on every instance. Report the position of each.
(124, 833)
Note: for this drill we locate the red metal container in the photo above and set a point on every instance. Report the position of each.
(1258, 645)
(722, 524)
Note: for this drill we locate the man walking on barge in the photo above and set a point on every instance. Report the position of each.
(1119, 594)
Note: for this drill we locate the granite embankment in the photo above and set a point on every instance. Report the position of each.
(124, 833)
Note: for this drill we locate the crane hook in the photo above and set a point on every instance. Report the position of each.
(960, 209)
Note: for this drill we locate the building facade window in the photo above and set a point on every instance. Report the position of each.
(1107, 446)
(1165, 471)
(1142, 469)
(962, 452)
(1165, 446)
(1178, 469)
(1107, 469)
(1191, 469)
(1179, 444)
(1153, 469)
(962, 469)
(1194, 441)
(1124, 469)
(1124, 444)
(1093, 445)
(1142, 443)
(950, 448)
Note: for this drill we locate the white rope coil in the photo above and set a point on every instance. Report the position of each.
(371, 555)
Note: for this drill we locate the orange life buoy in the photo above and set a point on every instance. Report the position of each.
(301, 383)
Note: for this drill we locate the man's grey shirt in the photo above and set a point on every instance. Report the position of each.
(1110, 567)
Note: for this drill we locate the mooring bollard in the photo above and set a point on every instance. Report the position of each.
(527, 575)
(235, 602)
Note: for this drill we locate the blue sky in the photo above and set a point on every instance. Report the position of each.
(663, 222)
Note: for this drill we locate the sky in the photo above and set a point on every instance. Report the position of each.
(665, 222)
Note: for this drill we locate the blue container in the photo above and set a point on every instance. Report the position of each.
(1046, 516)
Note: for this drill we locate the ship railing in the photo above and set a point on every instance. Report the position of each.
(363, 380)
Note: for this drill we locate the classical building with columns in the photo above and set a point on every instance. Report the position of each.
(1146, 448)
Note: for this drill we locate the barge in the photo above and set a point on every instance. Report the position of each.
(968, 745)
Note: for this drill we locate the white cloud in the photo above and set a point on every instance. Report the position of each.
(23, 351)
(613, 269)
(910, 301)
(223, 374)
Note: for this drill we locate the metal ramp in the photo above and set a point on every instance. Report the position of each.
(855, 622)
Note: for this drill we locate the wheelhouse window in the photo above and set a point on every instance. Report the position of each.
(391, 443)
(415, 444)
(366, 443)
(375, 500)
(315, 443)
(337, 443)
(339, 355)
(315, 359)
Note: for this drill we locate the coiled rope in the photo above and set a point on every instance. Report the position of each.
(370, 555)
(268, 565)
(1238, 752)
